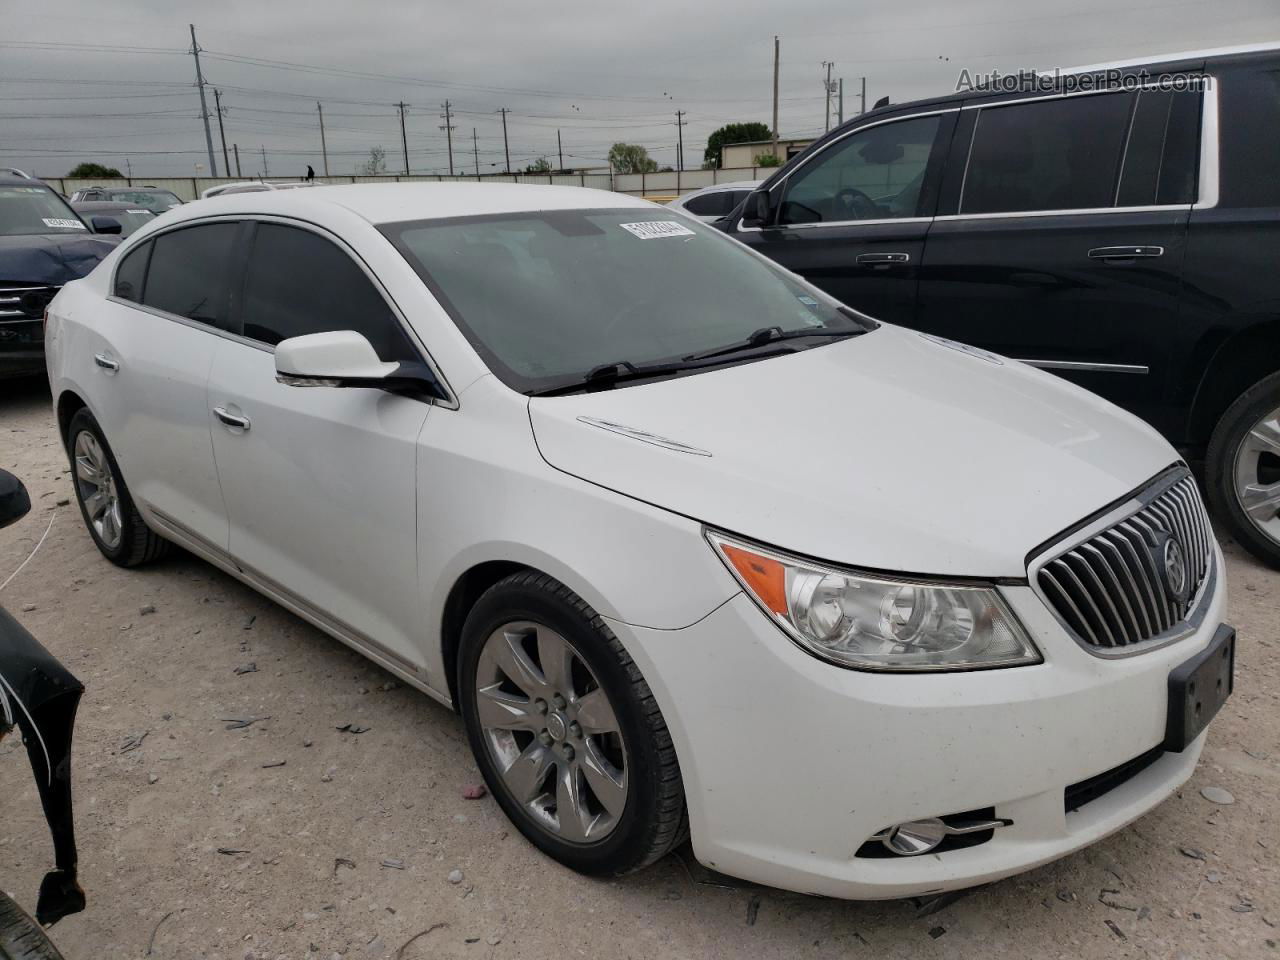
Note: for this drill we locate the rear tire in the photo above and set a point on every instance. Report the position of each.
(1242, 469)
(567, 733)
(109, 513)
(21, 938)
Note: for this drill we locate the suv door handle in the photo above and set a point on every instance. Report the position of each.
(230, 419)
(106, 363)
(1125, 253)
(882, 259)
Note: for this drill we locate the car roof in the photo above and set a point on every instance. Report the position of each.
(8, 180)
(733, 185)
(105, 205)
(396, 202)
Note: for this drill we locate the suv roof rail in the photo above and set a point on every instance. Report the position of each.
(17, 173)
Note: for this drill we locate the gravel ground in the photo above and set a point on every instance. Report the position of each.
(289, 838)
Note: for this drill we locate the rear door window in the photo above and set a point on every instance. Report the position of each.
(190, 273)
(1059, 154)
(298, 283)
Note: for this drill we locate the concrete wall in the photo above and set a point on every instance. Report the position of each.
(654, 185)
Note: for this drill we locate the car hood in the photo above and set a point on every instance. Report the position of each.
(892, 451)
(52, 259)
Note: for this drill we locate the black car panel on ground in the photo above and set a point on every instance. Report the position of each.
(1119, 228)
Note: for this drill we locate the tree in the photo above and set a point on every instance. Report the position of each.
(93, 171)
(767, 160)
(733, 133)
(631, 158)
(376, 164)
(541, 165)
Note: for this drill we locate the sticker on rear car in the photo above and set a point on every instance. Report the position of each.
(652, 229)
(63, 224)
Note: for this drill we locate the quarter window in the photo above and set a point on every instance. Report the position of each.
(712, 204)
(874, 174)
(1060, 154)
(131, 273)
(189, 272)
(299, 283)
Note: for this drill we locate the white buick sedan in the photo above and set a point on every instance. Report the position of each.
(693, 549)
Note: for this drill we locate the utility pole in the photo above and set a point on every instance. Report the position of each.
(265, 171)
(826, 86)
(404, 141)
(864, 95)
(840, 106)
(128, 170)
(776, 52)
(204, 108)
(235, 148)
(475, 151)
(680, 122)
(324, 150)
(560, 147)
(506, 148)
(447, 117)
(217, 106)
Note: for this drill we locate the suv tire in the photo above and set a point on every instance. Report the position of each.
(1244, 451)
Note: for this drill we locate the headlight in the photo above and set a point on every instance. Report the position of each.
(878, 623)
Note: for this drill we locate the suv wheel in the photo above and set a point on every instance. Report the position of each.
(108, 510)
(566, 731)
(1242, 470)
(21, 938)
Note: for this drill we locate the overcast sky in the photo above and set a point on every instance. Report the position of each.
(76, 84)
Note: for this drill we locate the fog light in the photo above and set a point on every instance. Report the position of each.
(914, 837)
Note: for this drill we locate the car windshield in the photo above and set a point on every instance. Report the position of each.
(28, 211)
(548, 298)
(131, 219)
(157, 201)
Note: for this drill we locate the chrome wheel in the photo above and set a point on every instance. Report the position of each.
(1257, 475)
(96, 487)
(551, 731)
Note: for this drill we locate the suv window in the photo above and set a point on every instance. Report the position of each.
(131, 273)
(873, 174)
(298, 283)
(189, 272)
(1060, 154)
(1160, 157)
(710, 204)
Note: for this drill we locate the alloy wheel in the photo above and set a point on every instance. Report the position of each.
(1257, 475)
(551, 731)
(96, 486)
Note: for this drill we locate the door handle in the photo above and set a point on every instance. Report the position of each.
(106, 363)
(882, 259)
(230, 419)
(1125, 253)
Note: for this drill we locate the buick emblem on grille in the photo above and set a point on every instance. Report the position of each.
(1175, 569)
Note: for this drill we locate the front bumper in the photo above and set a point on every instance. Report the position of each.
(791, 764)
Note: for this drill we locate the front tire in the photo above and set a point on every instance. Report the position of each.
(21, 938)
(1242, 469)
(566, 732)
(109, 513)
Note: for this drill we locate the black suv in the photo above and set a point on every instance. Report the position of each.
(43, 244)
(1119, 226)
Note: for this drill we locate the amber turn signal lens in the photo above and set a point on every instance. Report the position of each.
(766, 577)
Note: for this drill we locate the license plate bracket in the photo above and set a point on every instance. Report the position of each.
(1198, 688)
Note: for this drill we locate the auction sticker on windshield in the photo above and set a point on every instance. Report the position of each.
(652, 229)
(62, 223)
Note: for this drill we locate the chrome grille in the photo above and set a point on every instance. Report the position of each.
(1115, 589)
(20, 303)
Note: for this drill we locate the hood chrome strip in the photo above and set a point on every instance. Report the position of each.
(644, 437)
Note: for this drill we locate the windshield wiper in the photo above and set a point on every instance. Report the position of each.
(767, 335)
(607, 375)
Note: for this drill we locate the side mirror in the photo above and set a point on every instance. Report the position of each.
(14, 501)
(758, 208)
(106, 225)
(344, 358)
